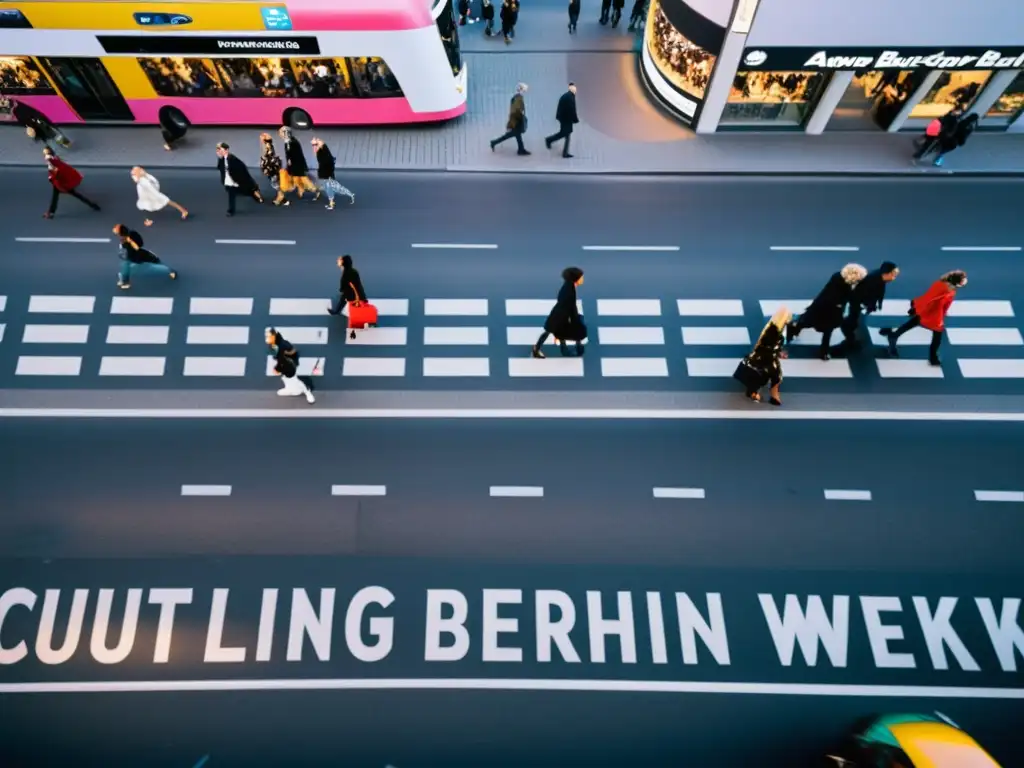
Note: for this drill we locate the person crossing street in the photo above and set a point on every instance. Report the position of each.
(564, 321)
(929, 311)
(350, 287)
(65, 180)
(235, 178)
(286, 365)
(136, 258)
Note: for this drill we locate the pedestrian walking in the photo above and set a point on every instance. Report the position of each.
(574, 15)
(296, 171)
(513, 19)
(235, 178)
(617, 6)
(286, 365)
(517, 121)
(150, 197)
(937, 128)
(957, 138)
(763, 366)
(606, 9)
(464, 11)
(929, 311)
(564, 321)
(506, 20)
(350, 287)
(270, 167)
(325, 175)
(868, 297)
(65, 180)
(825, 313)
(136, 258)
(487, 14)
(636, 16)
(565, 114)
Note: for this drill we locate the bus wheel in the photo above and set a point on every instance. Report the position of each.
(173, 117)
(298, 119)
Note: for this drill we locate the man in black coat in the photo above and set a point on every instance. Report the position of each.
(868, 296)
(825, 313)
(566, 116)
(235, 177)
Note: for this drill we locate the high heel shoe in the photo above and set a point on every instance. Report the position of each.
(775, 401)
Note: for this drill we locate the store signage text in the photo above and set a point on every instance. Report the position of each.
(168, 45)
(781, 59)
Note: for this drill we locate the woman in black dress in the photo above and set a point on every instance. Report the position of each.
(564, 321)
(764, 364)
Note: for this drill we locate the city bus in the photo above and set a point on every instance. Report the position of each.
(234, 62)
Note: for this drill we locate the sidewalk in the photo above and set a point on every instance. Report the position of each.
(622, 131)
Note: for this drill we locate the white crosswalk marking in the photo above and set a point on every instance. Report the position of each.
(206, 490)
(533, 307)
(455, 307)
(62, 305)
(629, 307)
(307, 366)
(915, 337)
(299, 307)
(679, 493)
(710, 307)
(985, 337)
(218, 334)
(980, 308)
(1000, 496)
(378, 337)
(527, 337)
(770, 306)
(456, 366)
(373, 366)
(55, 334)
(42, 365)
(3, 303)
(553, 367)
(893, 308)
(721, 336)
(908, 369)
(840, 495)
(387, 307)
(2, 327)
(303, 335)
(517, 491)
(991, 369)
(138, 334)
(437, 336)
(141, 305)
(359, 490)
(634, 367)
(214, 366)
(795, 369)
(209, 306)
(640, 336)
(132, 366)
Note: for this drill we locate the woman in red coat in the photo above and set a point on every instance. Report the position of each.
(65, 180)
(929, 311)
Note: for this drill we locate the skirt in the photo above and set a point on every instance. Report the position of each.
(285, 181)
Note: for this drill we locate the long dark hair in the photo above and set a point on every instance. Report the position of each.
(572, 274)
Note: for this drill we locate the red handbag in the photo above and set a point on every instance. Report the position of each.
(361, 314)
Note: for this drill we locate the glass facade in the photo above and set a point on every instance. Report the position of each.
(779, 98)
(19, 76)
(951, 90)
(683, 63)
(1008, 106)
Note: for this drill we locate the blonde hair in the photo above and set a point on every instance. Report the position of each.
(853, 273)
(779, 321)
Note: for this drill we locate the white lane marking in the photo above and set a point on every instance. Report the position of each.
(553, 367)
(305, 366)
(42, 365)
(214, 366)
(438, 337)
(796, 369)
(770, 306)
(993, 248)
(455, 307)
(141, 305)
(390, 307)
(908, 369)
(915, 337)
(138, 334)
(254, 242)
(299, 307)
(62, 239)
(661, 248)
(457, 246)
(991, 369)
(679, 493)
(985, 337)
(527, 337)
(456, 366)
(518, 491)
(3, 303)
(721, 336)
(629, 307)
(634, 367)
(533, 307)
(206, 490)
(843, 248)
(132, 366)
(2, 328)
(710, 307)
(373, 366)
(218, 334)
(981, 308)
(303, 334)
(206, 306)
(847, 495)
(1011, 496)
(62, 305)
(359, 490)
(378, 337)
(641, 336)
(55, 334)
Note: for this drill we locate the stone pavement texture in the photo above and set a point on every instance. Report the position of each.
(622, 131)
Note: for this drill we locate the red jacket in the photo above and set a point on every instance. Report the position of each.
(63, 177)
(933, 305)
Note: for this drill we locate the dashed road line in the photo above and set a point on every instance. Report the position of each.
(62, 239)
(985, 337)
(679, 493)
(840, 495)
(457, 246)
(627, 248)
(3, 303)
(305, 335)
(999, 496)
(206, 490)
(841, 248)
(519, 336)
(709, 367)
(980, 248)
(299, 307)
(359, 490)
(254, 242)
(517, 491)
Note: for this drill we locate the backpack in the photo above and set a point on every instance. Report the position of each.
(934, 128)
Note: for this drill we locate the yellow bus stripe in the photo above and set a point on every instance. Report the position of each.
(206, 17)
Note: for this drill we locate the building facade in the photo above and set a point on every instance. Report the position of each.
(834, 65)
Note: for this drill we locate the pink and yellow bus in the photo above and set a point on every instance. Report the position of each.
(221, 62)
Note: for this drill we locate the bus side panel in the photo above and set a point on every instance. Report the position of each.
(130, 78)
(54, 108)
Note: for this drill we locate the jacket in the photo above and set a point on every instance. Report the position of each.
(351, 286)
(239, 173)
(63, 177)
(487, 13)
(564, 321)
(826, 311)
(324, 163)
(137, 254)
(565, 112)
(870, 292)
(517, 114)
(270, 162)
(933, 304)
(286, 358)
(295, 161)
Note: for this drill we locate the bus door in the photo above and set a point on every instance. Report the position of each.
(88, 88)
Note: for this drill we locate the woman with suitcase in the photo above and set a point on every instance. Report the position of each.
(764, 364)
(564, 321)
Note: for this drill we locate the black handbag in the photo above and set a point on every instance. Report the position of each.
(750, 377)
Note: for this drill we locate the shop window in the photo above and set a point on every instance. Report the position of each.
(951, 90)
(1009, 105)
(783, 98)
(19, 76)
(374, 78)
(176, 76)
(684, 64)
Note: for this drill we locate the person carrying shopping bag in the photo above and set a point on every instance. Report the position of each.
(764, 363)
(325, 175)
(564, 321)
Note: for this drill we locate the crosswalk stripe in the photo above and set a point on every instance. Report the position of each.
(2, 327)
(379, 337)
(138, 334)
(299, 307)
(527, 337)
(640, 336)
(62, 305)
(554, 367)
(634, 367)
(517, 491)
(770, 306)
(915, 337)
(141, 305)
(456, 366)
(893, 308)
(387, 307)
(455, 307)
(132, 366)
(307, 366)
(1001, 496)
(981, 308)
(679, 493)
(721, 336)
(209, 306)
(214, 366)
(304, 334)
(359, 490)
(3, 303)
(710, 307)
(629, 307)
(988, 337)
(907, 369)
(55, 334)
(206, 490)
(373, 366)
(439, 336)
(840, 495)
(533, 307)
(703, 367)
(218, 334)
(991, 369)
(45, 365)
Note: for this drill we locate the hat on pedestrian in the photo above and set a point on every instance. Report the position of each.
(888, 267)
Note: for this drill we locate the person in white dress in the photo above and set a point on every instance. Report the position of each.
(150, 197)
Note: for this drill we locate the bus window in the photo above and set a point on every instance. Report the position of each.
(374, 78)
(19, 76)
(322, 78)
(175, 76)
(449, 31)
